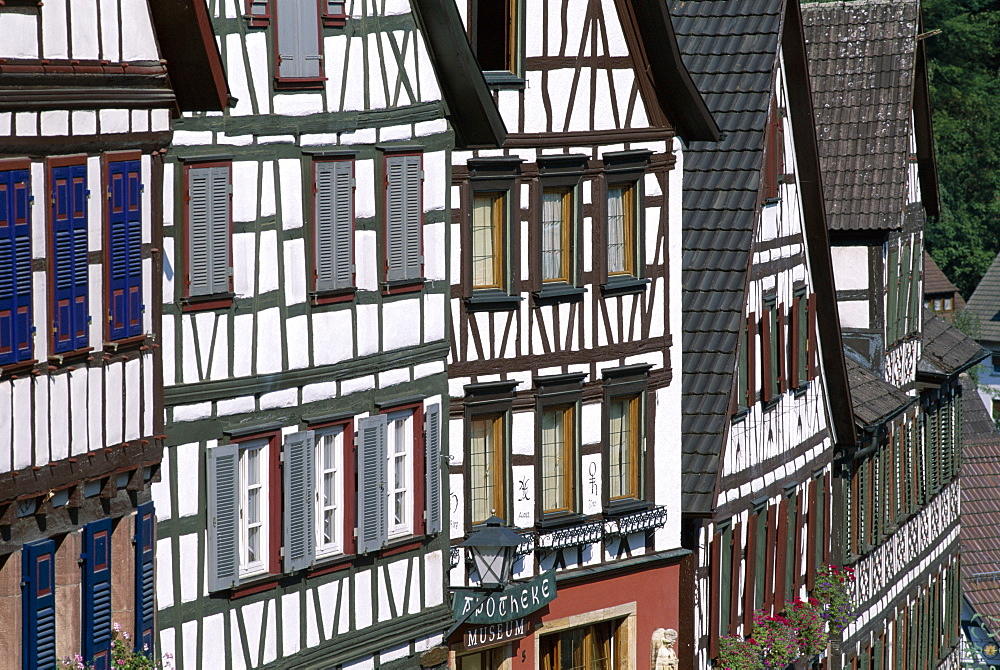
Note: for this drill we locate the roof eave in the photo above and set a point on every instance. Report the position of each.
(924, 133)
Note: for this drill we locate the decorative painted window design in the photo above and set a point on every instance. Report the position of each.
(330, 480)
(299, 41)
(497, 36)
(593, 647)
(488, 244)
(558, 462)
(96, 586)
(624, 447)
(208, 234)
(254, 507)
(487, 467)
(69, 255)
(38, 608)
(125, 306)
(404, 217)
(15, 266)
(623, 234)
(557, 235)
(399, 476)
(334, 224)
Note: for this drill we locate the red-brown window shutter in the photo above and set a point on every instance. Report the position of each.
(751, 389)
(793, 359)
(715, 597)
(782, 351)
(765, 350)
(812, 342)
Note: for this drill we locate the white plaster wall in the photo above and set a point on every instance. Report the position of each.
(850, 268)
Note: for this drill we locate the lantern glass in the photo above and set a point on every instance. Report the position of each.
(493, 565)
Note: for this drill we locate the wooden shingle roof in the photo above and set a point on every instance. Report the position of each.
(985, 303)
(936, 281)
(946, 350)
(874, 401)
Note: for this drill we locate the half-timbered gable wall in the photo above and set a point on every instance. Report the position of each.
(305, 344)
(86, 113)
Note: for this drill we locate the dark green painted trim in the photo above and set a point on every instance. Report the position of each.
(312, 124)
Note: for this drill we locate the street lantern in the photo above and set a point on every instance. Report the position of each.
(494, 549)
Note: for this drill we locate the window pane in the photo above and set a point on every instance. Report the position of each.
(483, 477)
(400, 474)
(553, 225)
(486, 253)
(620, 462)
(494, 36)
(616, 231)
(555, 464)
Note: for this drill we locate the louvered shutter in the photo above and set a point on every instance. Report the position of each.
(69, 227)
(15, 266)
(145, 604)
(334, 225)
(903, 295)
(125, 253)
(414, 220)
(432, 469)
(223, 517)
(220, 228)
(395, 226)
(97, 594)
(208, 230)
(38, 605)
(812, 339)
(371, 442)
(299, 48)
(299, 508)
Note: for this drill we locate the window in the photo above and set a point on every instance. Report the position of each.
(208, 234)
(996, 410)
(15, 266)
(622, 230)
(800, 340)
(624, 435)
(259, 13)
(253, 507)
(487, 485)
(330, 491)
(995, 360)
(125, 306)
(68, 219)
(593, 647)
(404, 217)
(497, 35)
(746, 391)
(488, 263)
(557, 235)
(558, 459)
(299, 42)
(335, 13)
(334, 224)
(771, 359)
(489, 659)
(400, 468)
(948, 305)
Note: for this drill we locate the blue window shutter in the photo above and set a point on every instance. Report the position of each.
(300, 497)
(134, 219)
(145, 604)
(15, 266)
(69, 227)
(125, 252)
(223, 517)
(38, 605)
(372, 443)
(96, 627)
(432, 469)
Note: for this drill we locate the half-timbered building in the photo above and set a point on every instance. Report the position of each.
(764, 376)
(305, 299)
(564, 306)
(87, 95)
(898, 501)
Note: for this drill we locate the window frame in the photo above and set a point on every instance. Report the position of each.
(261, 19)
(19, 356)
(497, 491)
(630, 383)
(550, 644)
(563, 394)
(108, 160)
(513, 75)
(630, 230)
(76, 160)
(490, 399)
(498, 220)
(405, 281)
(284, 81)
(567, 198)
(497, 175)
(345, 547)
(339, 293)
(270, 508)
(212, 300)
(334, 19)
(559, 174)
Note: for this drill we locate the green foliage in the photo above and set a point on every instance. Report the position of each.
(964, 67)
(833, 590)
(123, 656)
(810, 629)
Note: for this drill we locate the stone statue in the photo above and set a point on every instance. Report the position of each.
(663, 656)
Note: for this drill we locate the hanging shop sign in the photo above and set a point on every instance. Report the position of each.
(514, 602)
(496, 633)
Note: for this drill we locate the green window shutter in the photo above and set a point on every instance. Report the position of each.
(903, 301)
(299, 507)
(917, 287)
(724, 597)
(299, 45)
(891, 277)
(372, 443)
(334, 225)
(223, 517)
(432, 469)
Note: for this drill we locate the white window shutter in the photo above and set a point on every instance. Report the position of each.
(372, 444)
(299, 507)
(432, 469)
(223, 517)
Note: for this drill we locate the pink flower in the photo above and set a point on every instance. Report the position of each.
(117, 626)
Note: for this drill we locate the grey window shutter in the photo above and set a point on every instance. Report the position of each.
(299, 485)
(220, 229)
(199, 232)
(334, 219)
(298, 39)
(223, 517)
(432, 469)
(413, 214)
(371, 441)
(395, 227)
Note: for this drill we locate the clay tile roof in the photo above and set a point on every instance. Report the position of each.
(729, 47)
(874, 400)
(980, 530)
(985, 303)
(935, 281)
(946, 350)
(861, 64)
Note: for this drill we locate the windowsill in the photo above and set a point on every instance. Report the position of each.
(333, 297)
(205, 302)
(402, 545)
(261, 583)
(772, 201)
(286, 84)
(334, 21)
(492, 300)
(503, 79)
(559, 292)
(19, 368)
(800, 391)
(403, 286)
(70, 357)
(740, 414)
(623, 286)
(332, 563)
(772, 403)
(557, 520)
(625, 506)
(126, 344)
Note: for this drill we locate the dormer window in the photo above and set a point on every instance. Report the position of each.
(496, 36)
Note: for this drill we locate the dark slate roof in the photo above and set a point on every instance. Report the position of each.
(875, 401)
(985, 303)
(861, 64)
(980, 532)
(729, 47)
(946, 350)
